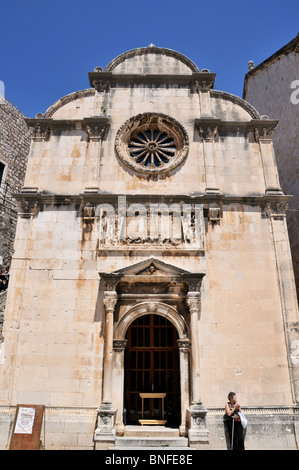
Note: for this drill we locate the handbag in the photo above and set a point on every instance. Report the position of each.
(243, 419)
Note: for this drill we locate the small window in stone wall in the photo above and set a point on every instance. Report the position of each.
(2, 168)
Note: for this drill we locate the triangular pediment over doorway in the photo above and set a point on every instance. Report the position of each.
(151, 266)
(149, 270)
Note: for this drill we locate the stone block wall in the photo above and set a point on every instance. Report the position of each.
(269, 89)
(14, 149)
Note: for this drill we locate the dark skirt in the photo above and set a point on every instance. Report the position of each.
(235, 432)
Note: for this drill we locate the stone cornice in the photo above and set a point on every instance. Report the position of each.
(41, 127)
(261, 129)
(39, 197)
(102, 80)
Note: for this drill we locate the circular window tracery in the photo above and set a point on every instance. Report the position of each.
(152, 147)
(152, 143)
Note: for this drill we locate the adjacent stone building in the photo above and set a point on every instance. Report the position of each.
(273, 88)
(152, 272)
(14, 150)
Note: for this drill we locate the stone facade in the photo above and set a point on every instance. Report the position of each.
(272, 88)
(151, 207)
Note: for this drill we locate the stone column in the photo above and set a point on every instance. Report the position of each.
(105, 432)
(205, 102)
(289, 305)
(198, 433)
(264, 136)
(96, 132)
(193, 301)
(40, 129)
(184, 350)
(203, 85)
(110, 299)
(208, 131)
(119, 346)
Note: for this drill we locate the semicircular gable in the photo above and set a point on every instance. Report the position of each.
(68, 99)
(229, 107)
(152, 59)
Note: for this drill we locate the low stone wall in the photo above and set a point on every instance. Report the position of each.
(71, 428)
(267, 429)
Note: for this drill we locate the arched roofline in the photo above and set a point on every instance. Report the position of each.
(67, 99)
(152, 50)
(238, 101)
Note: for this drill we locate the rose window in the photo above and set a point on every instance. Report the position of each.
(152, 148)
(152, 143)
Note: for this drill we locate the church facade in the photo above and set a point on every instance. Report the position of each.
(152, 272)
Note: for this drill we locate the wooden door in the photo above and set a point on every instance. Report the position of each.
(152, 365)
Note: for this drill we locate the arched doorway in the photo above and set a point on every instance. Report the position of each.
(152, 365)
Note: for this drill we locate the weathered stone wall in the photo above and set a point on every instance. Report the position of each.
(269, 90)
(14, 149)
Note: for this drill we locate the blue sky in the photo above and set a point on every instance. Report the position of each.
(48, 47)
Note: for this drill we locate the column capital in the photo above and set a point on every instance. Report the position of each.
(119, 344)
(96, 133)
(277, 210)
(184, 345)
(110, 300)
(39, 128)
(193, 301)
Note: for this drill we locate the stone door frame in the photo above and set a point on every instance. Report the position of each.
(119, 344)
(150, 271)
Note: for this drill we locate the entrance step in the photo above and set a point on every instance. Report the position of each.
(130, 442)
(148, 448)
(150, 431)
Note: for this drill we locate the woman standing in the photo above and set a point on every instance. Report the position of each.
(235, 429)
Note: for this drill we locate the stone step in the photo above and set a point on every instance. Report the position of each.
(150, 431)
(159, 442)
(149, 448)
